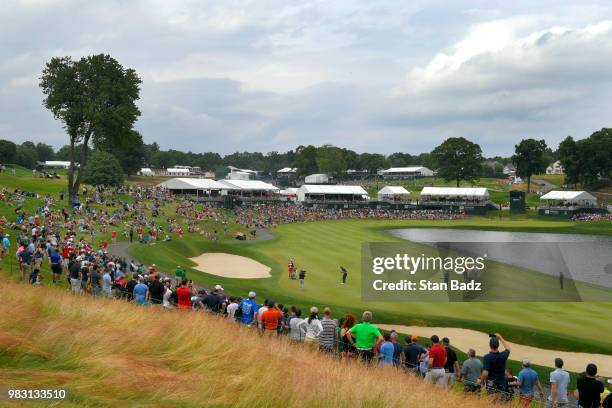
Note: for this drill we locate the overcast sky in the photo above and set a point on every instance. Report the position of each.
(378, 76)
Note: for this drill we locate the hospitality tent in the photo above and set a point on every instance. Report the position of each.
(242, 187)
(197, 186)
(407, 172)
(393, 193)
(331, 193)
(454, 194)
(316, 179)
(177, 171)
(580, 198)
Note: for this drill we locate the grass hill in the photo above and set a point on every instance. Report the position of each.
(109, 353)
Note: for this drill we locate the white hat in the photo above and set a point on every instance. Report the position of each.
(218, 287)
(252, 295)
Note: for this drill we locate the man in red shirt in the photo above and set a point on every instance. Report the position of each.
(183, 293)
(270, 319)
(437, 360)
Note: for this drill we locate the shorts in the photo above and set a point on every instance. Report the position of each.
(365, 354)
(56, 269)
(75, 284)
(437, 376)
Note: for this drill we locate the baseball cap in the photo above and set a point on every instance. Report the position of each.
(252, 295)
(218, 287)
(314, 310)
(414, 338)
(525, 362)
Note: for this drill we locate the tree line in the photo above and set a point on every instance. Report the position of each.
(95, 100)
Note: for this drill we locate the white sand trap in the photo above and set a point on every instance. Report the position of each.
(464, 339)
(230, 266)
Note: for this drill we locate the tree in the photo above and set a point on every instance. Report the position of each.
(529, 159)
(95, 98)
(457, 159)
(129, 151)
(330, 160)
(306, 160)
(26, 155)
(103, 169)
(372, 162)
(44, 152)
(7, 151)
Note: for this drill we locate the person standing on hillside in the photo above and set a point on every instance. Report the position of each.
(559, 380)
(471, 369)
(302, 276)
(6, 244)
(527, 381)
(494, 365)
(328, 336)
(55, 259)
(183, 294)
(141, 293)
(589, 389)
(156, 290)
(365, 336)
(451, 367)
(313, 329)
(437, 360)
(297, 326)
(180, 274)
(270, 319)
(411, 354)
(248, 309)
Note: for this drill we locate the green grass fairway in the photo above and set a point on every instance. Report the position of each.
(321, 247)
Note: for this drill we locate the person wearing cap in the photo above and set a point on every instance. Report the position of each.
(588, 388)
(437, 360)
(141, 292)
(313, 328)
(6, 244)
(527, 381)
(365, 337)
(494, 365)
(180, 274)
(559, 380)
(451, 367)
(412, 353)
(248, 309)
(471, 369)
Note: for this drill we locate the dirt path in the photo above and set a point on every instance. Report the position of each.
(464, 339)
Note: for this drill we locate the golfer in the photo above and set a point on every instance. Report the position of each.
(344, 274)
(302, 276)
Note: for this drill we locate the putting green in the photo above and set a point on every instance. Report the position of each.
(321, 247)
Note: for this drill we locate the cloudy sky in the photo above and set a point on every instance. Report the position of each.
(379, 76)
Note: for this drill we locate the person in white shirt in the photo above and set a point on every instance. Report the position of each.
(297, 327)
(232, 307)
(167, 294)
(313, 329)
(559, 380)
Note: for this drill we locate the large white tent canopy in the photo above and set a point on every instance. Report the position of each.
(248, 185)
(461, 192)
(420, 170)
(569, 196)
(393, 190)
(330, 190)
(192, 184)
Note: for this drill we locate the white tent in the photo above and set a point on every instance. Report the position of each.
(291, 191)
(418, 171)
(287, 170)
(177, 184)
(58, 164)
(469, 193)
(316, 179)
(572, 197)
(248, 185)
(178, 172)
(145, 171)
(393, 192)
(321, 191)
(238, 175)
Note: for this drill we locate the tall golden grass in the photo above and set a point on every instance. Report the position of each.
(111, 353)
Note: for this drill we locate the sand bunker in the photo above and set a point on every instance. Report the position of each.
(464, 339)
(230, 266)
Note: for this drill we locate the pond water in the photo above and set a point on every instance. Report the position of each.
(585, 258)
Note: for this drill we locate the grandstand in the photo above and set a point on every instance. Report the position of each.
(468, 199)
(313, 194)
(558, 203)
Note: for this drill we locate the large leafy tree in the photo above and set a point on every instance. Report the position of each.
(330, 160)
(530, 158)
(306, 160)
(26, 155)
(129, 150)
(457, 159)
(95, 98)
(45, 152)
(7, 151)
(103, 169)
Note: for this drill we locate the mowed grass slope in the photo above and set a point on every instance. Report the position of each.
(321, 247)
(109, 353)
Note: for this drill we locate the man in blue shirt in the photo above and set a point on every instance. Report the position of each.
(386, 351)
(141, 292)
(56, 265)
(527, 381)
(249, 309)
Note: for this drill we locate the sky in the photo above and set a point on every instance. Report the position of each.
(372, 76)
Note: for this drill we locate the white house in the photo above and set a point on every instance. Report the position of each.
(317, 179)
(555, 168)
(509, 169)
(145, 171)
